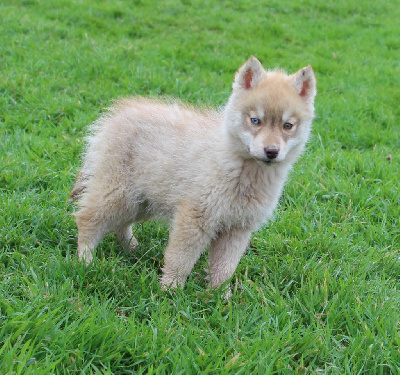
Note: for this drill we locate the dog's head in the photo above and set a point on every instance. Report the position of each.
(269, 113)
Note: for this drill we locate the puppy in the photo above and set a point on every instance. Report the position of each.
(216, 175)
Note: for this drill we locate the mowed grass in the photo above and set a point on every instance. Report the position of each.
(318, 289)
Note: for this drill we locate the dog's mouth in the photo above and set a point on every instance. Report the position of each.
(265, 160)
(269, 161)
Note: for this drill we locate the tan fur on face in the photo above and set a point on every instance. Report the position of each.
(204, 170)
(274, 100)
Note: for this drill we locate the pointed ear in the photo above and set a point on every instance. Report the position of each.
(305, 84)
(249, 75)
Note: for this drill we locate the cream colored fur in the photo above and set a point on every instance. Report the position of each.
(206, 171)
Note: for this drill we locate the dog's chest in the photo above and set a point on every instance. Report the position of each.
(244, 203)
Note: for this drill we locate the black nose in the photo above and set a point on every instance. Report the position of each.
(271, 152)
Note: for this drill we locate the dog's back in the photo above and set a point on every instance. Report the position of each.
(151, 149)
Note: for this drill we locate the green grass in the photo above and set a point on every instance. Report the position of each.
(318, 290)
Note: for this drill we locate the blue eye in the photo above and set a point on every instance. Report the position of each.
(288, 125)
(255, 120)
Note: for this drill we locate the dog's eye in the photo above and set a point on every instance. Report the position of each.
(255, 121)
(288, 125)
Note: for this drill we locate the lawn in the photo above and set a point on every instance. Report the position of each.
(318, 290)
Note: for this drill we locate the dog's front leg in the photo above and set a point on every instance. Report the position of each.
(225, 253)
(186, 243)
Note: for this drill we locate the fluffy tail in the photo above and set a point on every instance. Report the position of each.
(79, 187)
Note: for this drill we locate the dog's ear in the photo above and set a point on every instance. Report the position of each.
(249, 75)
(305, 84)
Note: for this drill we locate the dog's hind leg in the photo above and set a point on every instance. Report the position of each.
(126, 238)
(91, 230)
(99, 215)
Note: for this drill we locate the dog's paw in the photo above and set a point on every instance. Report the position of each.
(167, 282)
(226, 293)
(133, 244)
(86, 256)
